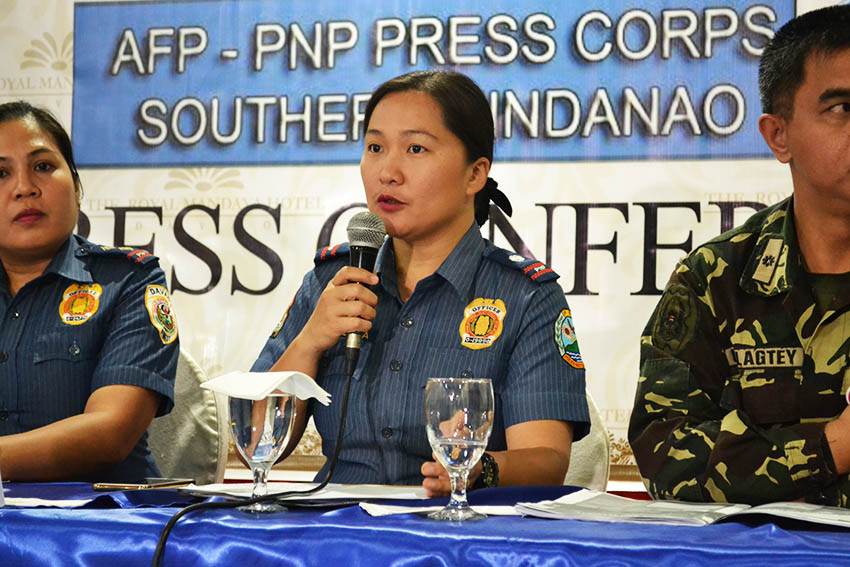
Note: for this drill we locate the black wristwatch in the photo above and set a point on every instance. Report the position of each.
(489, 472)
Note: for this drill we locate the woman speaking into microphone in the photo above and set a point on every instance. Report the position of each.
(428, 148)
(88, 343)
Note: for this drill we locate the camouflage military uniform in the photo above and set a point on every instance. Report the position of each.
(740, 372)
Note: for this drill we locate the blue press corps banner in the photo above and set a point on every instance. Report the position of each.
(266, 82)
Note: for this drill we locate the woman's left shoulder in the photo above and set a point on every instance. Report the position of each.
(127, 255)
(528, 268)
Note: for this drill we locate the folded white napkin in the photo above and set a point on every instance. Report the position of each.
(260, 385)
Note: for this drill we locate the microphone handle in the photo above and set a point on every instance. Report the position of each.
(364, 257)
(361, 257)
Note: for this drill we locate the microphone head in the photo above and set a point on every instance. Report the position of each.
(366, 229)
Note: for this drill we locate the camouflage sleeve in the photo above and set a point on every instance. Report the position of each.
(690, 438)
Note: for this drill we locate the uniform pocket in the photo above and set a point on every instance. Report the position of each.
(65, 361)
(461, 363)
(767, 396)
(65, 346)
(666, 384)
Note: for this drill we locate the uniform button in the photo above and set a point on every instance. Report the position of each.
(466, 374)
(407, 322)
(15, 314)
(387, 432)
(395, 365)
(74, 349)
(4, 415)
(3, 357)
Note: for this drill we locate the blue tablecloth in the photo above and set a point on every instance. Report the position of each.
(127, 536)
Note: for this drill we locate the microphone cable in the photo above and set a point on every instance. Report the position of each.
(366, 233)
(169, 526)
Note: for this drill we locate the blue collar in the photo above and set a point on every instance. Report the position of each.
(458, 268)
(70, 262)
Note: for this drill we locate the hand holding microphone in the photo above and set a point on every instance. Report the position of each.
(347, 305)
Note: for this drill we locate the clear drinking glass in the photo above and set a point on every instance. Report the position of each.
(261, 430)
(458, 418)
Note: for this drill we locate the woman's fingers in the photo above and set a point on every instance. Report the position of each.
(350, 274)
(346, 305)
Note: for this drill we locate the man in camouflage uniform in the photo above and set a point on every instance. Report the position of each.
(744, 363)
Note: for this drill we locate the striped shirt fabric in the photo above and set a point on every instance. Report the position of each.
(81, 325)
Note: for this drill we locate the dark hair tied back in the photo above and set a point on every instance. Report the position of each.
(490, 192)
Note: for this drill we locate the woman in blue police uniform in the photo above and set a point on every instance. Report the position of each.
(88, 343)
(444, 302)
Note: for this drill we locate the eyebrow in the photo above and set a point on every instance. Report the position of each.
(34, 153)
(375, 132)
(830, 94)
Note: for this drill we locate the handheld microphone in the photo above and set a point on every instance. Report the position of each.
(366, 233)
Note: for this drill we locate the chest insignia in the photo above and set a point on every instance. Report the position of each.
(482, 323)
(768, 262)
(79, 303)
(158, 305)
(565, 338)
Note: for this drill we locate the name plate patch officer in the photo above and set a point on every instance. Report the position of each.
(765, 357)
(482, 323)
(158, 304)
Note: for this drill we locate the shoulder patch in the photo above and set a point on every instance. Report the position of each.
(158, 304)
(277, 329)
(535, 270)
(135, 255)
(565, 338)
(331, 252)
(675, 320)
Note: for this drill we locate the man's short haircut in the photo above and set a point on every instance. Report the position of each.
(781, 69)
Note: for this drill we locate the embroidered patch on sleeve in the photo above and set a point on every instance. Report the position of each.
(482, 323)
(676, 320)
(280, 323)
(158, 304)
(565, 338)
(79, 303)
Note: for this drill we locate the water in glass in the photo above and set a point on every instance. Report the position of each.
(458, 419)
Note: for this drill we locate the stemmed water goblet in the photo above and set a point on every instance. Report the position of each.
(458, 419)
(261, 430)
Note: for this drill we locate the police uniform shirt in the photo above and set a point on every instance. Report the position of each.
(741, 369)
(97, 316)
(484, 313)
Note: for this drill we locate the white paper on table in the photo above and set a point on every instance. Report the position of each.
(260, 385)
(2, 498)
(330, 492)
(388, 509)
